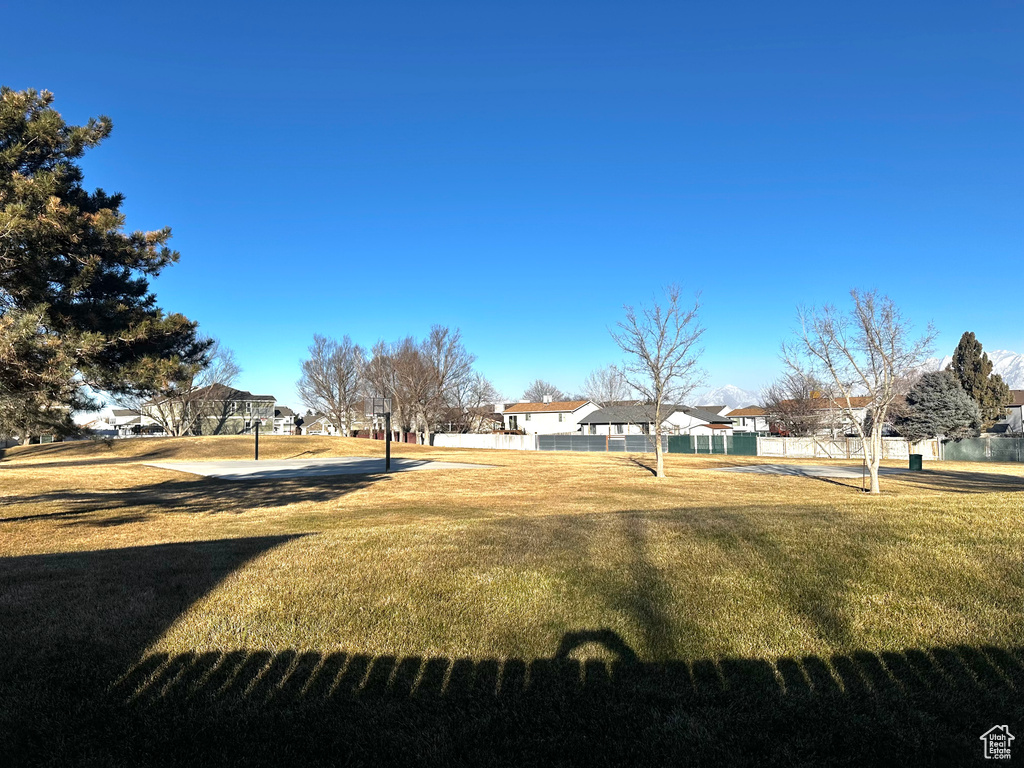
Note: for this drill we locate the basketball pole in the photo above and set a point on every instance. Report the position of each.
(387, 442)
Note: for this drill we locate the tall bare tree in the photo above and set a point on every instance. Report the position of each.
(184, 403)
(332, 380)
(413, 382)
(607, 385)
(867, 351)
(660, 343)
(472, 403)
(450, 366)
(425, 380)
(795, 403)
(539, 389)
(381, 380)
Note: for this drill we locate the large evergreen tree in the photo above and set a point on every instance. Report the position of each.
(938, 405)
(75, 304)
(973, 371)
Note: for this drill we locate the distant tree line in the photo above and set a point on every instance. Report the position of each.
(431, 382)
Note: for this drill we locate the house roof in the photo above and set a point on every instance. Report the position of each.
(283, 412)
(1018, 397)
(751, 410)
(558, 405)
(222, 392)
(712, 408)
(704, 415)
(121, 412)
(626, 414)
(643, 414)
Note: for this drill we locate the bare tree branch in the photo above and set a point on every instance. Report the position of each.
(332, 380)
(660, 343)
(867, 352)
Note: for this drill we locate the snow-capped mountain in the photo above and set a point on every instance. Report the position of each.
(1009, 365)
(729, 395)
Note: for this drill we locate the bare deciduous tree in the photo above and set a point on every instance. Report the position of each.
(794, 404)
(182, 405)
(450, 366)
(472, 404)
(868, 352)
(606, 386)
(332, 380)
(662, 354)
(539, 389)
(425, 380)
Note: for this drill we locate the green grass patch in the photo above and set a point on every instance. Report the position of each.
(556, 609)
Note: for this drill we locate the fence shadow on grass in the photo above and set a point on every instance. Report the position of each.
(857, 708)
(258, 677)
(78, 687)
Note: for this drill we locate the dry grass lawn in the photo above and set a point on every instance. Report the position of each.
(552, 608)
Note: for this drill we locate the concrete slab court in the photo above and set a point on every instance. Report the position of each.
(283, 469)
(811, 470)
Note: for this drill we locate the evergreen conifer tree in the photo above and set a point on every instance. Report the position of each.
(937, 405)
(75, 304)
(973, 371)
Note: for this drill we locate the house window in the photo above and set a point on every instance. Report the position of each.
(619, 429)
(593, 429)
(526, 417)
(561, 417)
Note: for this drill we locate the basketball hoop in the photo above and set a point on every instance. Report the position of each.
(378, 406)
(381, 406)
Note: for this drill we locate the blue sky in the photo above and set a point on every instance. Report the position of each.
(520, 171)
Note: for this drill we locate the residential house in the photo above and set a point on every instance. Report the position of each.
(547, 418)
(319, 424)
(638, 419)
(222, 410)
(689, 420)
(128, 422)
(284, 421)
(1013, 421)
(749, 419)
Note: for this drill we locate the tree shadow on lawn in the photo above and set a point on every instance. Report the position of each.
(202, 495)
(956, 481)
(86, 451)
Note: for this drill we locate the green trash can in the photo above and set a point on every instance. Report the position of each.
(916, 462)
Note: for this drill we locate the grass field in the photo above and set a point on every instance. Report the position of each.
(551, 609)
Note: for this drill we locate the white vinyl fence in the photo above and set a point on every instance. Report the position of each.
(501, 442)
(841, 448)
